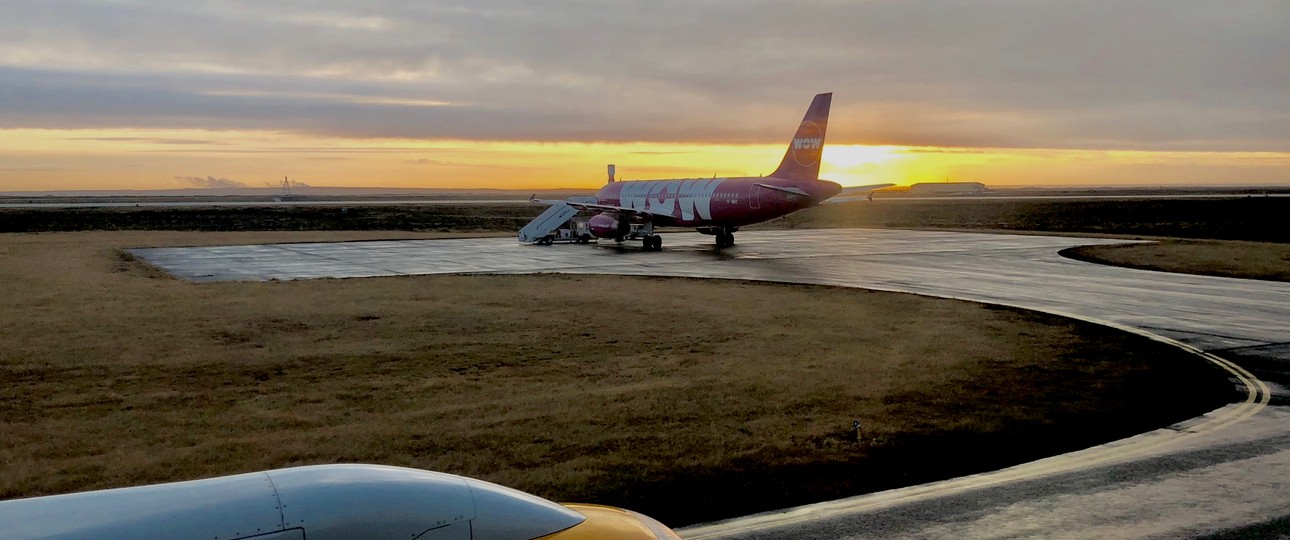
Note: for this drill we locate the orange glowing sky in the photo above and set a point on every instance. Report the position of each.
(495, 94)
(149, 159)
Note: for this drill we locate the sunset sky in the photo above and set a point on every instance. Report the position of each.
(150, 94)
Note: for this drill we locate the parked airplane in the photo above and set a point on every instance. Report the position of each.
(720, 206)
(323, 502)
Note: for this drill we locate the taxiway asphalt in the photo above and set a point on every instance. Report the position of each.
(1217, 473)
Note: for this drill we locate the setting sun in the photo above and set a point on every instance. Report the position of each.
(853, 155)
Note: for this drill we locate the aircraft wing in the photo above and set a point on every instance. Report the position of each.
(596, 207)
(856, 193)
(857, 190)
(788, 190)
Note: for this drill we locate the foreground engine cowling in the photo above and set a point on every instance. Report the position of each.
(320, 502)
(606, 226)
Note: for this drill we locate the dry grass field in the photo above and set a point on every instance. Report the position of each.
(1250, 260)
(689, 400)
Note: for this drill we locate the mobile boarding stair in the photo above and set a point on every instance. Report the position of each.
(543, 229)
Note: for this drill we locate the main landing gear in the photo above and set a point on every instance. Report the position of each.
(725, 235)
(725, 239)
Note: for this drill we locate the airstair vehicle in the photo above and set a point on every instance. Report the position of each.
(557, 224)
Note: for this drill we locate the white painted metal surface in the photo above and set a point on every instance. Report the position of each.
(325, 502)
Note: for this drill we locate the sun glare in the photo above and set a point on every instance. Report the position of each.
(857, 164)
(853, 155)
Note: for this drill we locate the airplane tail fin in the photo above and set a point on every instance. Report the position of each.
(802, 161)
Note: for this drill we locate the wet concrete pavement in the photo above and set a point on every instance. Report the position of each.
(1227, 470)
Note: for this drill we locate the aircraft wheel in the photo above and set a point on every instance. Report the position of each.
(585, 238)
(657, 242)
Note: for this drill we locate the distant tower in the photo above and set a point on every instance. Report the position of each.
(611, 173)
(286, 191)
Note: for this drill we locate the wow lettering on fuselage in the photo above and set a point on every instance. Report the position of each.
(692, 197)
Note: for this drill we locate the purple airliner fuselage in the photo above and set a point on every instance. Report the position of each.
(710, 202)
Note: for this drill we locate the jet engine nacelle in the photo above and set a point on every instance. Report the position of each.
(604, 226)
(322, 502)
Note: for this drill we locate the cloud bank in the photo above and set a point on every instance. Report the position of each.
(1136, 74)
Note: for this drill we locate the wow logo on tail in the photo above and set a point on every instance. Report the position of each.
(808, 144)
